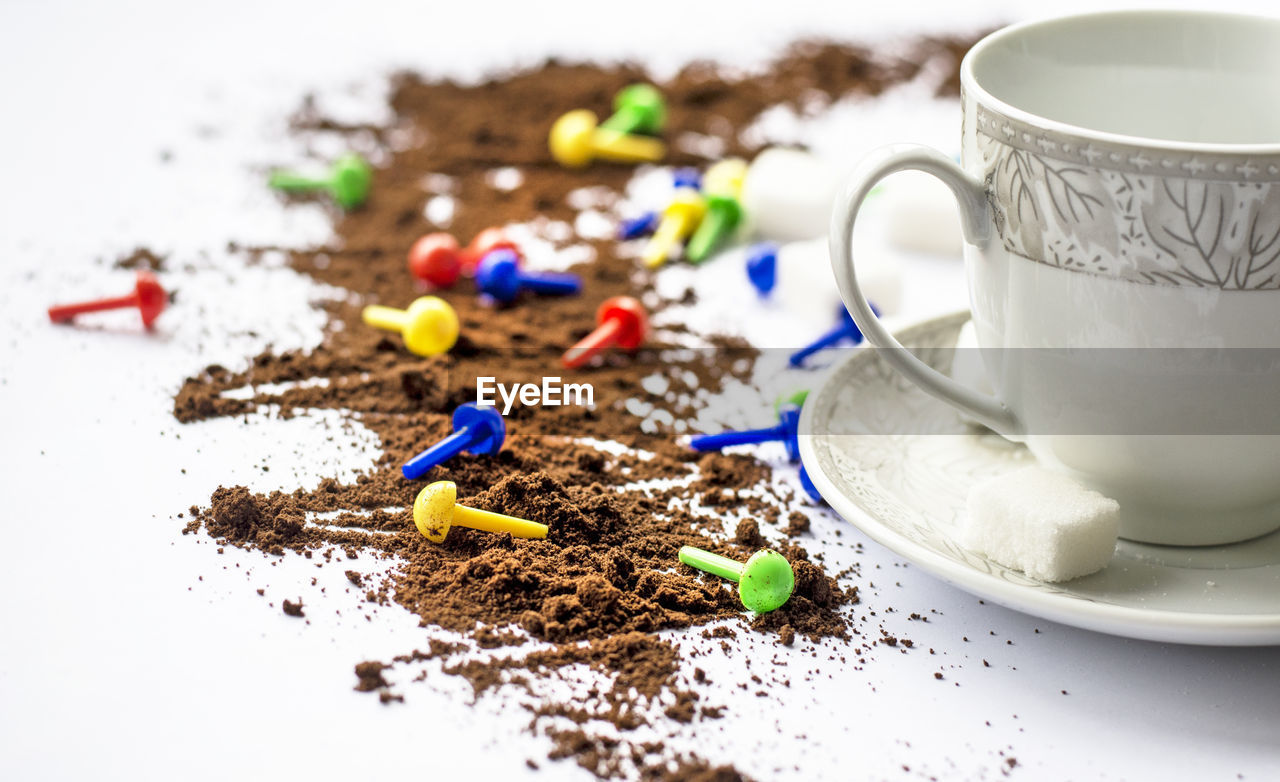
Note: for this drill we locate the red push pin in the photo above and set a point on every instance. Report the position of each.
(485, 242)
(147, 296)
(621, 322)
(436, 259)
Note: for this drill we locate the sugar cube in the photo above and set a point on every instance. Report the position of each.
(1042, 523)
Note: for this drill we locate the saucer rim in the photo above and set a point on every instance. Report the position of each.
(1151, 624)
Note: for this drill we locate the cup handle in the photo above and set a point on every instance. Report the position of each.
(972, 199)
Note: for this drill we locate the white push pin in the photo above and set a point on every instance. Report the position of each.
(919, 215)
(787, 194)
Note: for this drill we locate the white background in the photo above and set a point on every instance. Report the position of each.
(130, 651)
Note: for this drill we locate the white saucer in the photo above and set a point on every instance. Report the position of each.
(898, 465)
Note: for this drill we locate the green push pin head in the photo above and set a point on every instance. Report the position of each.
(638, 108)
(349, 181)
(794, 399)
(765, 580)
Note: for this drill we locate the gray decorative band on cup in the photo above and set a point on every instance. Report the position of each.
(1175, 219)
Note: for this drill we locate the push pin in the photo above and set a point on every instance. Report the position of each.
(147, 296)
(620, 322)
(679, 219)
(647, 223)
(436, 259)
(436, 510)
(429, 326)
(722, 187)
(847, 330)
(687, 177)
(348, 182)
(638, 108)
(787, 432)
(499, 276)
(765, 581)
(806, 483)
(576, 140)
(762, 267)
(476, 428)
(641, 225)
(485, 242)
(795, 398)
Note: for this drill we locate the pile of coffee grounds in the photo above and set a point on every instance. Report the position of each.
(603, 584)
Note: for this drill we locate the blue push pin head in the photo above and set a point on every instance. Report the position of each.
(687, 177)
(762, 266)
(498, 275)
(636, 227)
(477, 428)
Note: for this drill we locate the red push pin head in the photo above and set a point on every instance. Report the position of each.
(147, 296)
(485, 242)
(621, 322)
(436, 259)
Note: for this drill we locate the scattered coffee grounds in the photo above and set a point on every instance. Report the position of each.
(605, 581)
(141, 258)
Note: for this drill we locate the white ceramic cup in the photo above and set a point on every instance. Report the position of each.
(1119, 189)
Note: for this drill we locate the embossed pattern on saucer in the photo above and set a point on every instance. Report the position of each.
(898, 465)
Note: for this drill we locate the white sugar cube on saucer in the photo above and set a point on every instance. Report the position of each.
(1042, 523)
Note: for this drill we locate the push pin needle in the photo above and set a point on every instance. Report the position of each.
(348, 181)
(638, 108)
(847, 330)
(476, 428)
(429, 326)
(786, 431)
(679, 219)
(621, 321)
(436, 510)
(765, 581)
(723, 188)
(147, 296)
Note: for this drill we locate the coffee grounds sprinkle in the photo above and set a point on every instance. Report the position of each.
(598, 591)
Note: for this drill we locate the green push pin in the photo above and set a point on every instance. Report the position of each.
(794, 399)
(722, 187)
(765, 580)
(348, 182)
(638, 108)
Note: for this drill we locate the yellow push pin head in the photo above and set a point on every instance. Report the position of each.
(576, 139)
(432, 326)
(570, 139)
(436, 511)
(429, 326)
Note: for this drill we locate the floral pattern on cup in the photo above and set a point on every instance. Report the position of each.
(1174, 218)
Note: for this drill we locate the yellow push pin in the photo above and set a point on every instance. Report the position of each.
(679, 220)
(437, 509)
(576, 139)
(429, 326)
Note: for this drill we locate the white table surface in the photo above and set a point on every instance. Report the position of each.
(130, 651)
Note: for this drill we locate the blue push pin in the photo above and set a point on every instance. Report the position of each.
(787, 432)
(687, 177)
(847, 330)
(499, 276)
(636, 227)
(476, 428)
(762, 266)
(806, 483)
